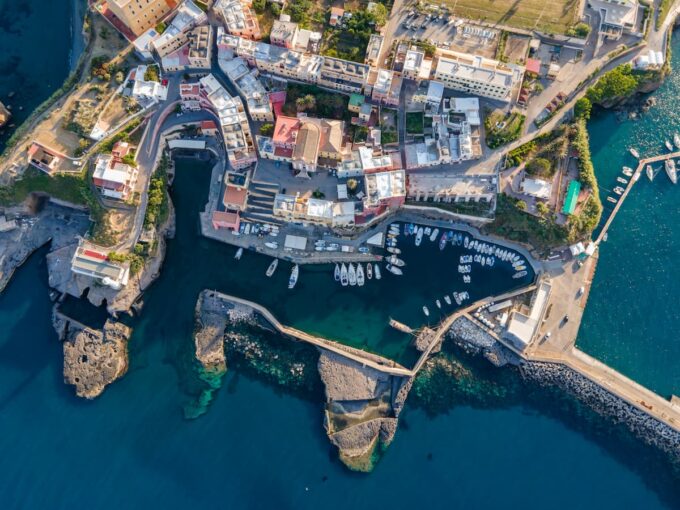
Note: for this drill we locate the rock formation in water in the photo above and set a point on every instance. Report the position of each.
(4, 115)
(93, 359)
(211, 323)
(362, 407)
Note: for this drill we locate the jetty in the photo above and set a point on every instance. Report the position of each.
(636, 176)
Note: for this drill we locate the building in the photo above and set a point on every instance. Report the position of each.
(43, 159)
(522, 326)
(342, 75)
(337, 13)
(113, 178)
(373, 49)
(313, 210)
(367, 160)
(616, 17)
(144, 44)
(537, 188)
(284, 34)
(239, 18)
(249, 88)
(416, 66)
(195, 54)
(355, 102)
(190, 96)
(448, 188)
(386, 88)
(478, 75)
(93, 262)
(234, 125)
(209, 128)
(385, 189)
(146, 91)
(571, 198)
(140, 15)
(188, 16)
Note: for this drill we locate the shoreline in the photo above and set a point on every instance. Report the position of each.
(77, 36)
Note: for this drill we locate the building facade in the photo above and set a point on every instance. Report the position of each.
(141, 15)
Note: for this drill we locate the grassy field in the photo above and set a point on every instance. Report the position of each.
(547, 16)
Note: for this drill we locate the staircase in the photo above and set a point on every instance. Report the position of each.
(260, 205)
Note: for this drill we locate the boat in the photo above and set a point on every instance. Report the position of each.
(619, 190)
(369, 271)
(669, 145)
(426, 311)
(352, 275)
(650, 173)
(442, 241)
(520, 268)
(272, 244)
(272, 267)
(671, 171)
(612, 199)
(391, 243)
(627, 171)
(395, 226)
(336, 273)
(634, 153)
(394, 269)
(434, 234)
(622, 180)
(676, 140)
(458, 238)
(360, 275)
(427, 231)
(332, 247)
(344, 280)
(466, 242)
(294, 276)
(419, 236)
(519, 275)
(239, 253)
(466, 278)
(447, 299)
(376, 268)
(456, 296)
(438, 303)
(396, 261)
(393, 250)
(247, 230)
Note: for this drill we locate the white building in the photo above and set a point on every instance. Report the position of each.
(447, 187)
(537, 188)
(249, 87)
(113, 178)
(143, 91)
(416, 66)
(616, 17)
(522, 327)
(174, 37)
(93, 262)
(478, 75)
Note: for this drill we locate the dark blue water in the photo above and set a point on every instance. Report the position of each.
(35, 46)
(259, 448)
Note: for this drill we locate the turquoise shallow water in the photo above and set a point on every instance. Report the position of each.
(632, 318)
(259, 448)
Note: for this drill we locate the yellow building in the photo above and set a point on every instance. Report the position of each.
(141, 15)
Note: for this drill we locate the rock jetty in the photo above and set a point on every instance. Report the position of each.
(93, 359)
(211, 323)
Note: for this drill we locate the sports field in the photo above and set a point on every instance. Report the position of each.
(550, 16)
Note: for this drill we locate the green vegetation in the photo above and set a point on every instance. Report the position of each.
(503, 128)
(500, 49)
(480, 209)
(158, 207)
(306, 102)
(151, 73)
(582, 108)
(664, 7)
(350, 43)
(327, 105)
(69, 187)
(160, 28)
(267, 129)
(389, 135)
(579, 30)
(306, 13)
(414, 123)
(516, 156)
(426, 46)
(123, 135)
(540, 167)
(619, 83)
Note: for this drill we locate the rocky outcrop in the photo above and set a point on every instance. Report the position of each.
(4, 114)
(474, 340)
(211, 323)
(93, 359)
(362, 407)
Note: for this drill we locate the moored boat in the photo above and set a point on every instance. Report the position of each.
(447, 299)
(618, 190)
(419, 236)
(627, 171)
(634, 153)
(344, 278)
(272, 267)
(395, 261)
(442, 241)
(622, 180)
(336, 273)
(611, 199)
(669, 145)
(395, 251)
(369, 271)
(294, 274)
(426, 311)
(438, 303)
(650, 172)
(519, 275)
(466, 278)
(676, 140)
(272, 245)
(671, 170)
(239, 253)
(394, 269)
(360, 275)
(352, 275)
(434, 234)
(376, 268)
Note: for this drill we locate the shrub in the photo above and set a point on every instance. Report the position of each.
(267, 129)
(539, 167)
(582, 109)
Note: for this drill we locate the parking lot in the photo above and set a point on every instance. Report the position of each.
(449, 34)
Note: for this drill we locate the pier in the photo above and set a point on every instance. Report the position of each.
(636, 176)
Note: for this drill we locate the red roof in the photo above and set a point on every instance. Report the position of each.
(94, 254)
(533, 65)
(208, 124)
(285, 130)
(234, 195)
(223, 219)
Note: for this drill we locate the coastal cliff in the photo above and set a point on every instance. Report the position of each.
(93, 359)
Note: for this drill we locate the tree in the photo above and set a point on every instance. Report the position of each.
(352, 185)
(542, 209)
(521, 205)
(579, 30)
(267, 129)
(259, 6)
(582, 108)
(304, 103)
(539, 166)
(618, 83)
(119, 77)
(275, 9)
(379, 13)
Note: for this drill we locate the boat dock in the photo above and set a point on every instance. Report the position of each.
(636, 176)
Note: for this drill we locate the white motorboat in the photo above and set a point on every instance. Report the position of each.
(344, 278)
(619, 190)
(376, 268)
(456, 296)
(247, 229)
(419, 236)
(369, 271)
(360, 275)
(239, 254)
(272, 267)
(394, 269)
(671, 170)
(395, 261)
(520, 268)
(272, 244)
(612, 200)
(395, 251)
(434, 234)
(427, 231)
(627, 171)
(294, 276)
(336, 273)
(438, 303)
(622, 180)
(447, 299)
(634, 153)
(669, 145)
(650, 172)
(352, 275)
(466, 242)
(426, 311)
(519, 275)
(676, 140)
(466, 278)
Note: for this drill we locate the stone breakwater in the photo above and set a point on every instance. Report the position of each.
(474, 340)
(641, 424)
(93, 359)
